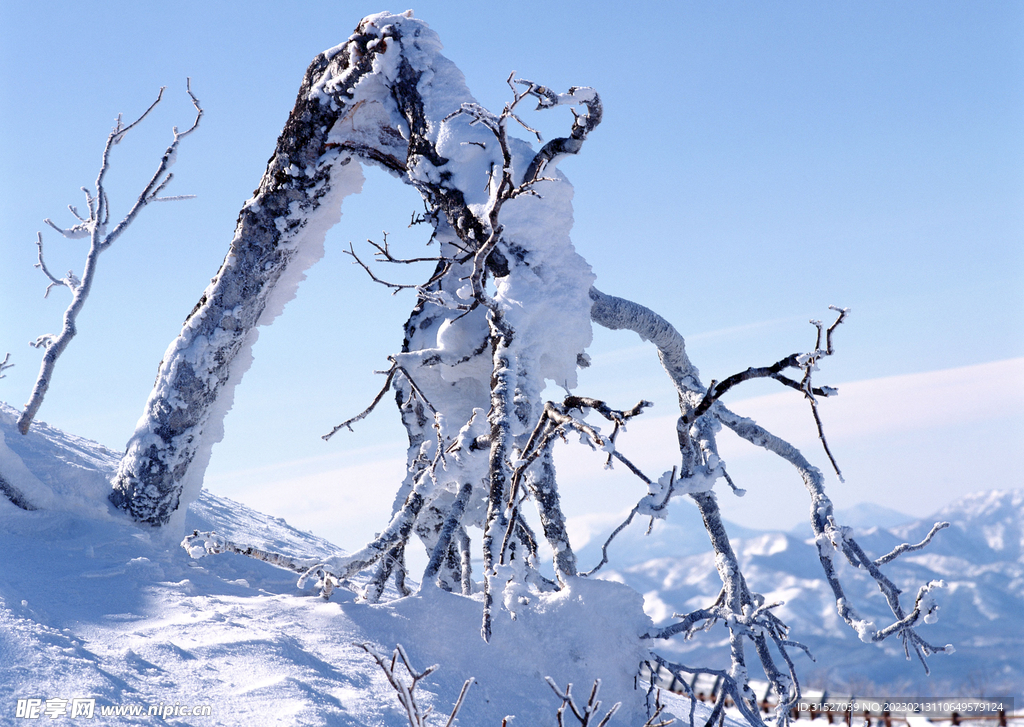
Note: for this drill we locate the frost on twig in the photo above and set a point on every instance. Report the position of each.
(589, 715)
(908, 548)
(95, 227)
(4, 365)
(404, 679)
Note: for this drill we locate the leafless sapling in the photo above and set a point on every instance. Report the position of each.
(404, 679)
(95, 226)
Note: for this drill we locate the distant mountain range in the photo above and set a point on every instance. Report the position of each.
(980, 558)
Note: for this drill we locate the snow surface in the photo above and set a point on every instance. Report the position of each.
(93, 606)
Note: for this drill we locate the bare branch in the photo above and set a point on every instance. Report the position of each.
(347, 424)
(93, 227)
(384, 254)
(120, 130)
(589, 713)
(199, 112)
(396, 287)
(405, 684)
(907, 547)
(821, 437)
(70, 281)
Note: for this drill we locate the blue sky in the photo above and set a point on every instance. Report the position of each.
(757, 162)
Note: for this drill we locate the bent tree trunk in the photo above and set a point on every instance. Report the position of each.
(385, 97)
(279, 234)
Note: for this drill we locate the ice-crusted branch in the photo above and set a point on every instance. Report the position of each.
(4, 365)
(278, 231)
(95, 228)
(200, 544)
(743, 611)
(907, 547)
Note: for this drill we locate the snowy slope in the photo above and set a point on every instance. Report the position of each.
(94, 607)
(981, 609)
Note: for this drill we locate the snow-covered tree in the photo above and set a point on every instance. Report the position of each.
(507, 307)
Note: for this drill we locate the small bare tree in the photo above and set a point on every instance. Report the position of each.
(404, 679)
(95, 226)
(405, 685)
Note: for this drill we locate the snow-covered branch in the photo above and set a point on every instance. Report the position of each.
(279, 233)
(15, 495)
(95, 228)
(743, 611)
(908, 548)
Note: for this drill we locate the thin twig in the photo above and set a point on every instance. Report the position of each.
(347, 424)
(396, 287)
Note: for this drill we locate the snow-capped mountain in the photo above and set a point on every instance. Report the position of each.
(980, 557)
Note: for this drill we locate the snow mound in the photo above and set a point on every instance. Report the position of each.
(94, 607)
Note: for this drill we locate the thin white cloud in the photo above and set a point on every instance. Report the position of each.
(346, 504)
(897, 404)
(912, 442)
(643, 351)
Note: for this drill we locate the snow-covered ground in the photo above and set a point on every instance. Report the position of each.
(93, 607)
